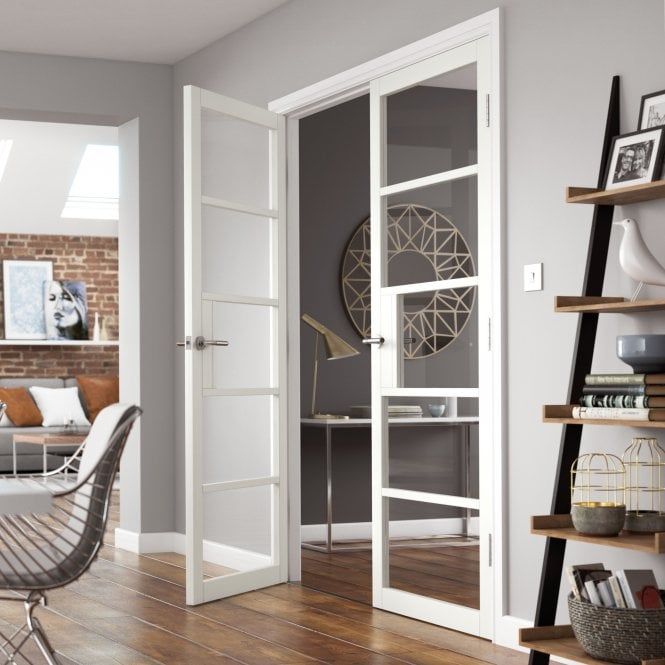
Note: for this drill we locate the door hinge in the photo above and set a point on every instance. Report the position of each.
(487, 110)
(489, 549)
(489, 334)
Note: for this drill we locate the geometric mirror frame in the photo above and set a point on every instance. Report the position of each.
(431, 321)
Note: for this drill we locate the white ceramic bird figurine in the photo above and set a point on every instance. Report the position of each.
(636, 259)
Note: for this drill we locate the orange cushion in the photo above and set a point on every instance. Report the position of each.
(21, 408)
(98, 392)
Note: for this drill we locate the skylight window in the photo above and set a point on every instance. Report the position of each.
(5, 149)
(94, 193)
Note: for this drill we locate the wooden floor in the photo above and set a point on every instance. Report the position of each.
(445, 572)
(130, 609)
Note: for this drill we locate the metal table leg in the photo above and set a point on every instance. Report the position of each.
(466, 448)
(329, 516)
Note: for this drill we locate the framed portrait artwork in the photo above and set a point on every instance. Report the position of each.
(652, 111)
(65, 310)
(23, 288)
(635, 158)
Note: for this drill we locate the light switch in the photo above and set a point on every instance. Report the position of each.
(533, 277)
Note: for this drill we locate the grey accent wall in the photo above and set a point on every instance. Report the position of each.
(558, 61)
(138, 97)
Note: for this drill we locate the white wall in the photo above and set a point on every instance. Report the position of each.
(559, 59)
(58, 89)
(42, 164)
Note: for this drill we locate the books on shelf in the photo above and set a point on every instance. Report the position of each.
(635, 589)
(624, 389)
(622, 397)
(624, 379)
(602, 413)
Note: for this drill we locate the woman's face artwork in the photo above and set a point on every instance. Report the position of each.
(61, 308)
(63, 312)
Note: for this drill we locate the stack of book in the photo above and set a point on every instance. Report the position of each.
(633, 589)
(394, 411)
(622, 397)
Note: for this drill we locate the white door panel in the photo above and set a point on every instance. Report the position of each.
(440, 308)
(235, 302)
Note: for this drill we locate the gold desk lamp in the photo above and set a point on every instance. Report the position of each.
(335, 348)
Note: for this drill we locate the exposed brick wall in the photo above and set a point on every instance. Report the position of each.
(93, 260)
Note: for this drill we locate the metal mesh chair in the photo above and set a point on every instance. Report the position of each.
(42, 552)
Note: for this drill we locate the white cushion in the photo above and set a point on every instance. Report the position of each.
(5, 422)
(59, 406)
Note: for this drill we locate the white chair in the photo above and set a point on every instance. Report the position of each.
(39, 552)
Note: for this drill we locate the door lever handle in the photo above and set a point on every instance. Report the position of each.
(201, 343)
(373, 340)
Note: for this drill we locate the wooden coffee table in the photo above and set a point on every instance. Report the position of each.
(46, 441)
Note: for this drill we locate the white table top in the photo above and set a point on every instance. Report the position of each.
(22, 497)
(366, 422)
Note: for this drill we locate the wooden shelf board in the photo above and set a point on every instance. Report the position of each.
(605, 305)
(562, 414)
(560, 641)
(561, 526)
(55, 342)
(621, 196)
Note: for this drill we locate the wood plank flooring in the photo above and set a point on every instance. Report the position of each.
(130, 609)
(446, 572)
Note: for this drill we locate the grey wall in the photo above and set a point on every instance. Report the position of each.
(558, 60)
(113, 93)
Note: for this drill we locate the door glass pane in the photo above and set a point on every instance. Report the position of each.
(236, 253)
(237, 433)
(245, 362)
(431, 127)
(235, 160)
(240, 518)
(439, 457)
(441, 339)
(434, 551)
(432, 233)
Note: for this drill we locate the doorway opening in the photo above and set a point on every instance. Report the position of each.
(59, 235)
(432, 235)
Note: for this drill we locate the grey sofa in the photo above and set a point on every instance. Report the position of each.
(29, 457)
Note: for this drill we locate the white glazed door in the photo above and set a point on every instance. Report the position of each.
(443, 308)
(235, 346)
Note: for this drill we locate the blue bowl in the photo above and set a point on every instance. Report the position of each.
(644, 353)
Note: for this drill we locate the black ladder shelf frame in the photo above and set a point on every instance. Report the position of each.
(585, 340)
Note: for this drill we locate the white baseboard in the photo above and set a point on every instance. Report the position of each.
(170, 541)
(143, 543)
(398, 529)
(506, 634)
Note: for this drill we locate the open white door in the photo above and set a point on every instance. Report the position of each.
(441, 206)
(235, 346)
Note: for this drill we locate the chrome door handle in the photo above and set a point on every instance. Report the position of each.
(373, 340)
(201, 343)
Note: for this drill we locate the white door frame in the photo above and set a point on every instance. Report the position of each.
(343, 87)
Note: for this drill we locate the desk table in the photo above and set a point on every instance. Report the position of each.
(329, 424)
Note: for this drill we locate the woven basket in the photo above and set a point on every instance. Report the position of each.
(618, 635)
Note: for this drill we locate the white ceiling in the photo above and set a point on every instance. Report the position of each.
(39, 173)
(159, 31)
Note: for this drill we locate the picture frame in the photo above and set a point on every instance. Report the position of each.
(652, 110)
(635, 158)
(65, 310)
(23, 288)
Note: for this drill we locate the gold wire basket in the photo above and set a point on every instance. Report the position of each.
(644, 461)
(597, 494)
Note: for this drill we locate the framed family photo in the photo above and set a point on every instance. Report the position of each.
(23, 288)
(635, 158)
(652, 110)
